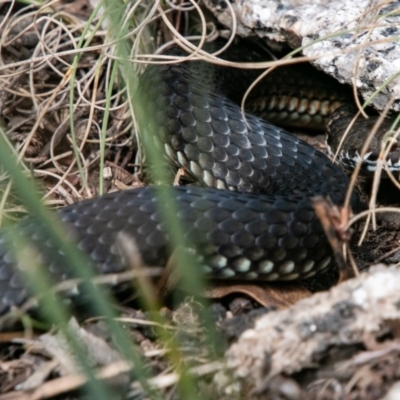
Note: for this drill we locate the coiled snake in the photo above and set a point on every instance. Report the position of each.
(255, 220)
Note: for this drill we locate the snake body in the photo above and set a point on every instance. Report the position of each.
(254, 222)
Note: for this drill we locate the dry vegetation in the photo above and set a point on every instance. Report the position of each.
(67, 79)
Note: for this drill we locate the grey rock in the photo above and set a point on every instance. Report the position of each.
(356, 42)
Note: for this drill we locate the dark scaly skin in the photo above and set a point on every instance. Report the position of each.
(298, 95)
(264, 228)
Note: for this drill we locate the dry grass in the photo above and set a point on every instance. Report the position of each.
(67, 110)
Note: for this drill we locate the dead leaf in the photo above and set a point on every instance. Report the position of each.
(279, 295)
(334, 220)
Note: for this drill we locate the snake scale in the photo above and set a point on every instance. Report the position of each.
(254, 221)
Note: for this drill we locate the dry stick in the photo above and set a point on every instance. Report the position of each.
(17, 22)
(34, 69)
(143, 26)
(7, 15)
(60, 180)
(335, 156)
(349, 255)
(71, 52)
(179, 39)
(91, 106)
(381, 165)
(395, 139)
(233, 29)
(54, 37)
(181, 8)
(90, 120)
(387, 254)
(42, 113)
(365, 213)
(130, 252)
(185, 44)
(47, 161)
(60, 133)
(144, 58)
(3, 201)
(377, 175)
(71, 165)
(87, 130)
(170, 276)
(65, 173)
(364, 150)
(331, 218)
(72, 382)
(389, 173)
(140, 31)
(71, 286)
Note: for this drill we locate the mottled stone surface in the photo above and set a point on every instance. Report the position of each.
(356, 42)
(288, 341)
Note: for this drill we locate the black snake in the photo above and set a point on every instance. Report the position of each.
(263, 228)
